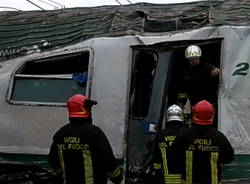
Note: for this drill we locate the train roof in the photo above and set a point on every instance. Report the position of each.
(23, 31)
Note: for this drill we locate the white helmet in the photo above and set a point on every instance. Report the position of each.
(193, 51)
(175, 113)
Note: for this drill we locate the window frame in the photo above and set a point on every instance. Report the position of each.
(15, 75)
(133, 112)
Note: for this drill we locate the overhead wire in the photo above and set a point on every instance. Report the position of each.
(62, 6)
(35, 4)
(118, 2)
(48, 4)
(8, 7)
(129, 1)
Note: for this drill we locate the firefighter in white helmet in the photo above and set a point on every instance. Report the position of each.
(165, 164)
(199, 78)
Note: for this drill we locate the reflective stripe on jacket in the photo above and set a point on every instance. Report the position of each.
(166, 164)
(205, 149)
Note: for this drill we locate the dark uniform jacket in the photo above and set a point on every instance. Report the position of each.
(83, 154)
(199, 84)
(203, 150)
(165, 163)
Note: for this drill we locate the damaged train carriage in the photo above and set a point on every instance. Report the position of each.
(134, 78)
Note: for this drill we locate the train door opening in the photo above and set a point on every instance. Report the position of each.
(157, 73)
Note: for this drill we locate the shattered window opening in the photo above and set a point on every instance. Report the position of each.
(50, 81)
(142, 83)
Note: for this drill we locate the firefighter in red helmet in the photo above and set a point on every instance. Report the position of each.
(79, 106)
(203, 113)
(202, 148)
(80, 152)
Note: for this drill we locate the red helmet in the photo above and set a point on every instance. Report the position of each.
(79, 106)
(203, 113)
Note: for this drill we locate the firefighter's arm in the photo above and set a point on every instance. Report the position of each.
(227, 151)
(55, 163)
(113, 171)
(53, 157)
(157, 174)
(157, 161)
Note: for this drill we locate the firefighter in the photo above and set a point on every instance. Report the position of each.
(203, 148)
(80, 152)
(200, 79)
(165, 163)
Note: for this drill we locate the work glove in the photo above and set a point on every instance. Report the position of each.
(182, 99)
(117, 179)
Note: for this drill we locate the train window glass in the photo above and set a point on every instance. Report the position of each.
(142, 83)
(50, 80)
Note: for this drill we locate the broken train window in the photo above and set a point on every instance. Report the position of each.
(50, 80)
(143, 73)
